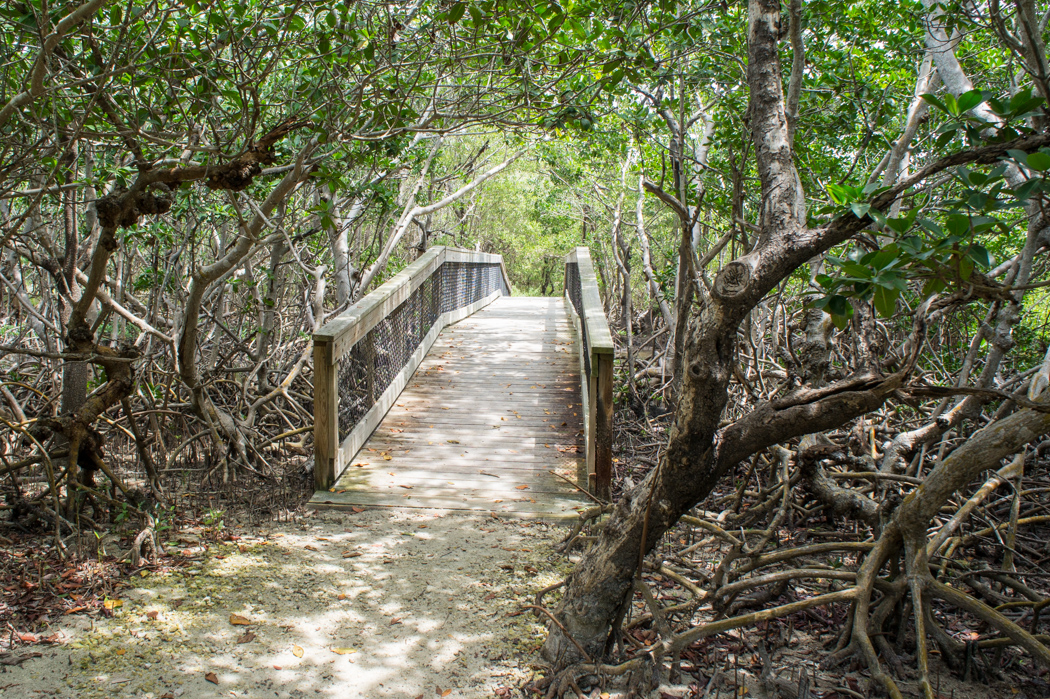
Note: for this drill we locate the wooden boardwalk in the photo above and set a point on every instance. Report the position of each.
(491, 421)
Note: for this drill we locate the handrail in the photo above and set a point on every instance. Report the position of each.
(596, 359)
(365, 356)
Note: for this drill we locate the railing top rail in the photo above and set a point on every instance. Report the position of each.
(598, 336)
(351, 325)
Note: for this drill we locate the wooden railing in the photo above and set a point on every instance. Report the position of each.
(364, 357)
(596, 358)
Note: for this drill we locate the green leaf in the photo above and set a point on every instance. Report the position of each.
(1027, 189)
(843, 194)
(1039, 161)
(839, 305)
(969, 100)
(475, 15)
(980, 255)
(935, 101)
(952, 104)
(455, 13)
(885, 300)
(933, 286)
(860, 210)
(884, 257)
(958, 224)
(1018, 155)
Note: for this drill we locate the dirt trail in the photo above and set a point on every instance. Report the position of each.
(375, 604)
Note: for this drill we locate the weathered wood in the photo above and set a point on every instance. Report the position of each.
(564, 509)
(353, 442)
(603, 428)
(598, 336)
(354, 323)
(467, 457)
(326, 412)
(336, 338)
(597, 386)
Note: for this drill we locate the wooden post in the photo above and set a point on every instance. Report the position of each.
(603, 427)
(326, 415)
(597, 385)
(590, 391)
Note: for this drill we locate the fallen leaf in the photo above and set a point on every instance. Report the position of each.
(521, 487)
(121, 651)
(113, 603)
(248, 637)
(297, 651)
(395, 620)
(211, 678)
(357, 510)
(308, 547)
(406, 487)
(238, 620)
(446, 692)
(489, 596)
(151, 615)
(351, 554)
(344, 651)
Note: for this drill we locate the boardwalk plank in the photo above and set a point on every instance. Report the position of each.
(491, 412)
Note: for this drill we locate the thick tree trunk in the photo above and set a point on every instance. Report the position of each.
(698, 453)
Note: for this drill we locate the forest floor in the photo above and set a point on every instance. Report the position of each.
(375, 603)
(370, 604)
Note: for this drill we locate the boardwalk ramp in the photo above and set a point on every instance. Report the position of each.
(462, 397)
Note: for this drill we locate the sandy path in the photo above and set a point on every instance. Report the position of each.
(376, 604)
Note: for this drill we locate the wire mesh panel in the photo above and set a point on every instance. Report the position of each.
(463, 283)
(575, 291)
(372, 364)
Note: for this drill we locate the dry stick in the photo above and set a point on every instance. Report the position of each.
(1000, 477)
(785, 554)
(32, 461)
(49, 469)
(782, 576)
(860, 638)
(917, 570)
(1015, 513)
(1036, 519)
(577, 487)
(990, 616)
(564, 631)
(683, 640)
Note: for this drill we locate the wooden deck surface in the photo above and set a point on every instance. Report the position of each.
(490, 422)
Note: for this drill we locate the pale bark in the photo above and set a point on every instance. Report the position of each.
(412, 210)
(647, 264)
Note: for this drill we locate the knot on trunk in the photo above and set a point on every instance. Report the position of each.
(124, 209)
(237, 174)
(733, 280)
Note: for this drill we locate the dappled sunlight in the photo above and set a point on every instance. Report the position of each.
(378, 604)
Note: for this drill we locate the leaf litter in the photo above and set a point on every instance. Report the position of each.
(256, 609)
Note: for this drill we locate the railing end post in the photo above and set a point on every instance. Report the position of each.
(326, 415)
(603, 437)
